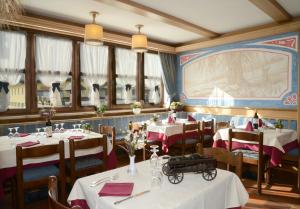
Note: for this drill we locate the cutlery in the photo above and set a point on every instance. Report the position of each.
(105, 179)
(132, 196)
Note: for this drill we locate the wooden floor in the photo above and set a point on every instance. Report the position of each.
(275, 197)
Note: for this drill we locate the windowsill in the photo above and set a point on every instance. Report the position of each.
(75, 116)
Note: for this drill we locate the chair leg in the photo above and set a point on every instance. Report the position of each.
(14, 193)
(259, 178)
(20, 194)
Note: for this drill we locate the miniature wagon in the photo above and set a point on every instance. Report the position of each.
(176, 166)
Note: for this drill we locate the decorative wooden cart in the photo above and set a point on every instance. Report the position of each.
(176, 166)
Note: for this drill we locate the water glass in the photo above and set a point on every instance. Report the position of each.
(16, 134)
(45, 129)
(74, 127)
(56, 130)
(10, 134)
(156, 179)
(61, 130)
(38, 131)
(154, 157)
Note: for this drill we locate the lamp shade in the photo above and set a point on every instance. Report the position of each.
(93, 34)
(139, 43)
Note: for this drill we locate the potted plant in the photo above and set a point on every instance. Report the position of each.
(155, 119)
(176, 106)
(101, 109)
(278, 126)
(136, 107)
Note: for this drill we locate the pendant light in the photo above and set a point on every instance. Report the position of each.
(93, 33)
(139, 41)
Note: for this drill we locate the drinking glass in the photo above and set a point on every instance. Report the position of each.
(44, 129)
(156, 180)
(61, 128)
(154, 157)
(16, 133)
(56, 130)
(38, 131)
(74, 127)
(79, 125)
(10, 134)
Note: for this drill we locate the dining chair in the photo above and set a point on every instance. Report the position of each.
(80, 166)
(53, 195)
(191, 136)
(37, 177)
(224, 156)
(250, 157)
(222, 124)
(207, 130)
(110, 132)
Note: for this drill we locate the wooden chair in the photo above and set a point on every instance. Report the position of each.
(191, 136)
(207, 130)
(37, 177)
(110, 132)
(250, 157)
(86, 165)
(222, 124)
(52, 195)
(224, 156)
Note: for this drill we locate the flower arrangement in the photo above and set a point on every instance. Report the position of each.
(134, 140)
(136, 105)
(101, 109)
(47, 113)
(155, 118)
(176, 106)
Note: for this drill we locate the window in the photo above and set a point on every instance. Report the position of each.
(53, 68)
(126, 68)
(152, 75)
(93, 66)
(12, 70)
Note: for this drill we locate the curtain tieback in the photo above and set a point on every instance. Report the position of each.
(4, 86)
(56, 86)
(127, 87)
(96, 86)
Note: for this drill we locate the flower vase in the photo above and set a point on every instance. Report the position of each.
(136, 111)
(132, 169)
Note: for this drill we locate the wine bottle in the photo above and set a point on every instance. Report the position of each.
(255, 121)
(48, 128)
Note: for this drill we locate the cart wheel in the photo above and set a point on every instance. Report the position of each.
(166, 169)
(176, 178)
(209, 175)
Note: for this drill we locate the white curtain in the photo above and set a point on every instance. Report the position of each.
(153, 71)
(126, 65)
(12, 62)
(93, 65)
(53, 63)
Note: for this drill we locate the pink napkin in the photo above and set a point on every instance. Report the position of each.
(191, 118)
(28, 144)
(76, 137)
(23, 134)
(249, 126)
(116, 189)
(260, 123)
(170, 120)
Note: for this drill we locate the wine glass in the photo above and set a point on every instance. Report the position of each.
(74, 127)
(157, 177)
(154, 156)
(45, 129)
(16, 133)
(10, 134)
(38, 131)
(56, 130)
(61, 127)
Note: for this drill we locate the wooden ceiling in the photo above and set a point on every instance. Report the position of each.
(181, 24)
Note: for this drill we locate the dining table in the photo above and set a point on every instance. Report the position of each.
(276, 142)
(224, 192)
(8, 150)
(168, 133)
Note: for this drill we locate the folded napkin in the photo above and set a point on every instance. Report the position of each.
(116, 189)
(28, 144)
(23, 134)
(191, 118)
(76, 137)
(171, 120)
(249, 126)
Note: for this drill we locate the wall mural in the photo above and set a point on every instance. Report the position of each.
(257, 73)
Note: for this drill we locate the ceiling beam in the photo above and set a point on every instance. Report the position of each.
(273, 9)
(78, 31)
(160, 16)
(268, 30)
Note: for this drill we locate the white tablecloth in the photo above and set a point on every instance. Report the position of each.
(272, 137)
(168, 129)
(8, 150)
(225, 191)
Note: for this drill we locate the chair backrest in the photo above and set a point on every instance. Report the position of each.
(109, 131)
(247, 136)
(40, 151)
(222, 124)
(224, 156)
(207, 127)
(188, 127)
(52, 195)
